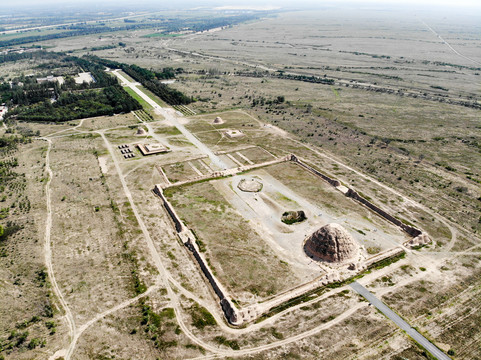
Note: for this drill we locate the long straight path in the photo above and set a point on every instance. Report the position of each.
(48, 250)
(425, 343)
(170, 116)
(449, 45)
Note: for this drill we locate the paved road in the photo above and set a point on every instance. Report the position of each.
(174, 121)
(438, 354)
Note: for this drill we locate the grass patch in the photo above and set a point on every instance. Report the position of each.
(233, 344)
(136, 96)
(201, 317)
(161, 35)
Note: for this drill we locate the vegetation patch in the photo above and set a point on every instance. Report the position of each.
(201, 317)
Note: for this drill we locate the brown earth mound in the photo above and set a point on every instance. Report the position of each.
(331, 243)
(218, 120)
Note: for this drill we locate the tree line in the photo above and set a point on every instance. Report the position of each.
(169, 25)
(74, 30)
(151, 80)
(78, 105)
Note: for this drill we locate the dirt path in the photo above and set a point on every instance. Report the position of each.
(169, 282)
(449, 45)
(321, 327)
(164, 274)
(291, 339)
(172, 118)
(65, 130)
(48, 250)
(101, 316)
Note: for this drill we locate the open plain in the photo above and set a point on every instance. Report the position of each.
(369, 120)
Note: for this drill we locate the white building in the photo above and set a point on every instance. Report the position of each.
(3, 111)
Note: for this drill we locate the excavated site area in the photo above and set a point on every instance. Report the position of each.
(234, 221)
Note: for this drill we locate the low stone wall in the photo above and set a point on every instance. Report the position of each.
(228, 172)
(252, 312)
(383, 256)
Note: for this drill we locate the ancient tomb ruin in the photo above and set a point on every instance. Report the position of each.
(332, 243)
(292, 217)
(218, 120)
(233, 134)
(140, 131)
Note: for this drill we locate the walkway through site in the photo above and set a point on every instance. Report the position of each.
(172, 118)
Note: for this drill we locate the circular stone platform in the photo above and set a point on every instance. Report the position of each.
(250, 185)
(331, 243)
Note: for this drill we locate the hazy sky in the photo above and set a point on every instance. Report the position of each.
(282, 3)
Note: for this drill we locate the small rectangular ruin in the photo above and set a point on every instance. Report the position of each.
(154, 148)
(231, 134)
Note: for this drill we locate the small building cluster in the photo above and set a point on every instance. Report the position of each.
(126, 151)
(58, 79)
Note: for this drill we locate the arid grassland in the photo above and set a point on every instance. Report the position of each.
(93, 265)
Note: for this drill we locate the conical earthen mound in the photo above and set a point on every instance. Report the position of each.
(331, 243)
(218, 120)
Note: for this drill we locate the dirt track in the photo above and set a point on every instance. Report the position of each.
(48, 251)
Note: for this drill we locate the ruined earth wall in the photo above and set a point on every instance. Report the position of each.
(333, 182)
(412, 231)
(408, 229)
(189, 241)
(170, 210)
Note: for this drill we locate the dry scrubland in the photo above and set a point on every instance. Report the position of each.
(426, 150)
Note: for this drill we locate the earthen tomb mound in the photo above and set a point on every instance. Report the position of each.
(332, 243)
